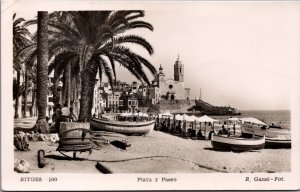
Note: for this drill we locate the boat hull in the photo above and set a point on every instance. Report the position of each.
(275, 143)
(275, 138)
(237, 143)
(270, 132)
(123, 127)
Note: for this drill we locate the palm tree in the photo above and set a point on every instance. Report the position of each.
(42, 69)
(21, 37)
(95, 41)
(98, 40)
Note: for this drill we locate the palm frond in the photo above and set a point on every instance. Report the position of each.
(106, 69)
(135, 14)
(135, 40)
(147, 64)
(134, 25)
(112, 63)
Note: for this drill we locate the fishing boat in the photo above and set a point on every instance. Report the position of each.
(273, 125)
(275, 137)
(278, 142)
(222, 142)
(124, 127)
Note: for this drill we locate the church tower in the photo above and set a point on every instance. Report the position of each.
(160, 75)
(178, 70)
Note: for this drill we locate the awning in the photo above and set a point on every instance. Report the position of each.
(206, 118)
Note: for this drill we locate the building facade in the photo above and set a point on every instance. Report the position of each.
(172, 88)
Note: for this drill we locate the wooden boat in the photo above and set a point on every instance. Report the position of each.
(221, 142)
(275, 137)
(278, 142)
(124, 127)
(275, 126)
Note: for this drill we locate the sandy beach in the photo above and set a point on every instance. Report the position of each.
(157, 152)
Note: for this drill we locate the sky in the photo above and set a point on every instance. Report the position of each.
(244, 55)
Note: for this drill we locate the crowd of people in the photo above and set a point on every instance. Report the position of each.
(183, 128)
(190, 129)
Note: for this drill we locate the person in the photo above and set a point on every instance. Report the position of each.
(73, 114)
(223, 130)
(228, 132)
(233, 129)
(57, 117)
(65, 112)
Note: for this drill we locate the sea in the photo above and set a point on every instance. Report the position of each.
(279, 117)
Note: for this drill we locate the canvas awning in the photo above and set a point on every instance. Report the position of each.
(193, 118)
(233, 119)
(178, 117)
(206, 118)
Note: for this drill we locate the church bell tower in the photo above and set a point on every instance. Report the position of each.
(178, 70)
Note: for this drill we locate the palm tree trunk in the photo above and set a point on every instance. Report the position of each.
(68, 79)
(73, 88)
(33, 102)
(42, 70)
(55, 88)
(87, 93)
(25, 92)
(64, 88)
(17, 94)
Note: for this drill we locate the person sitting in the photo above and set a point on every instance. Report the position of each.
(73, 114)
(228, 132)
(65, 112)
(224, 131)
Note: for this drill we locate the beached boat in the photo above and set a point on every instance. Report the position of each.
(124, 127)
(253, 126)
(221, 142)
(275, 137)
(276, 126)
(278, 142)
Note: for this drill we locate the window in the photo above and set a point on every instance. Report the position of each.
(170, 86)
(129, 102)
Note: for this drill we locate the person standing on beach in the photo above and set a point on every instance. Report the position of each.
(233, 129)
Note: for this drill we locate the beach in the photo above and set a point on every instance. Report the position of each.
(157, 152)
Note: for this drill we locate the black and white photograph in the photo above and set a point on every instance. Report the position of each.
(150, 95)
